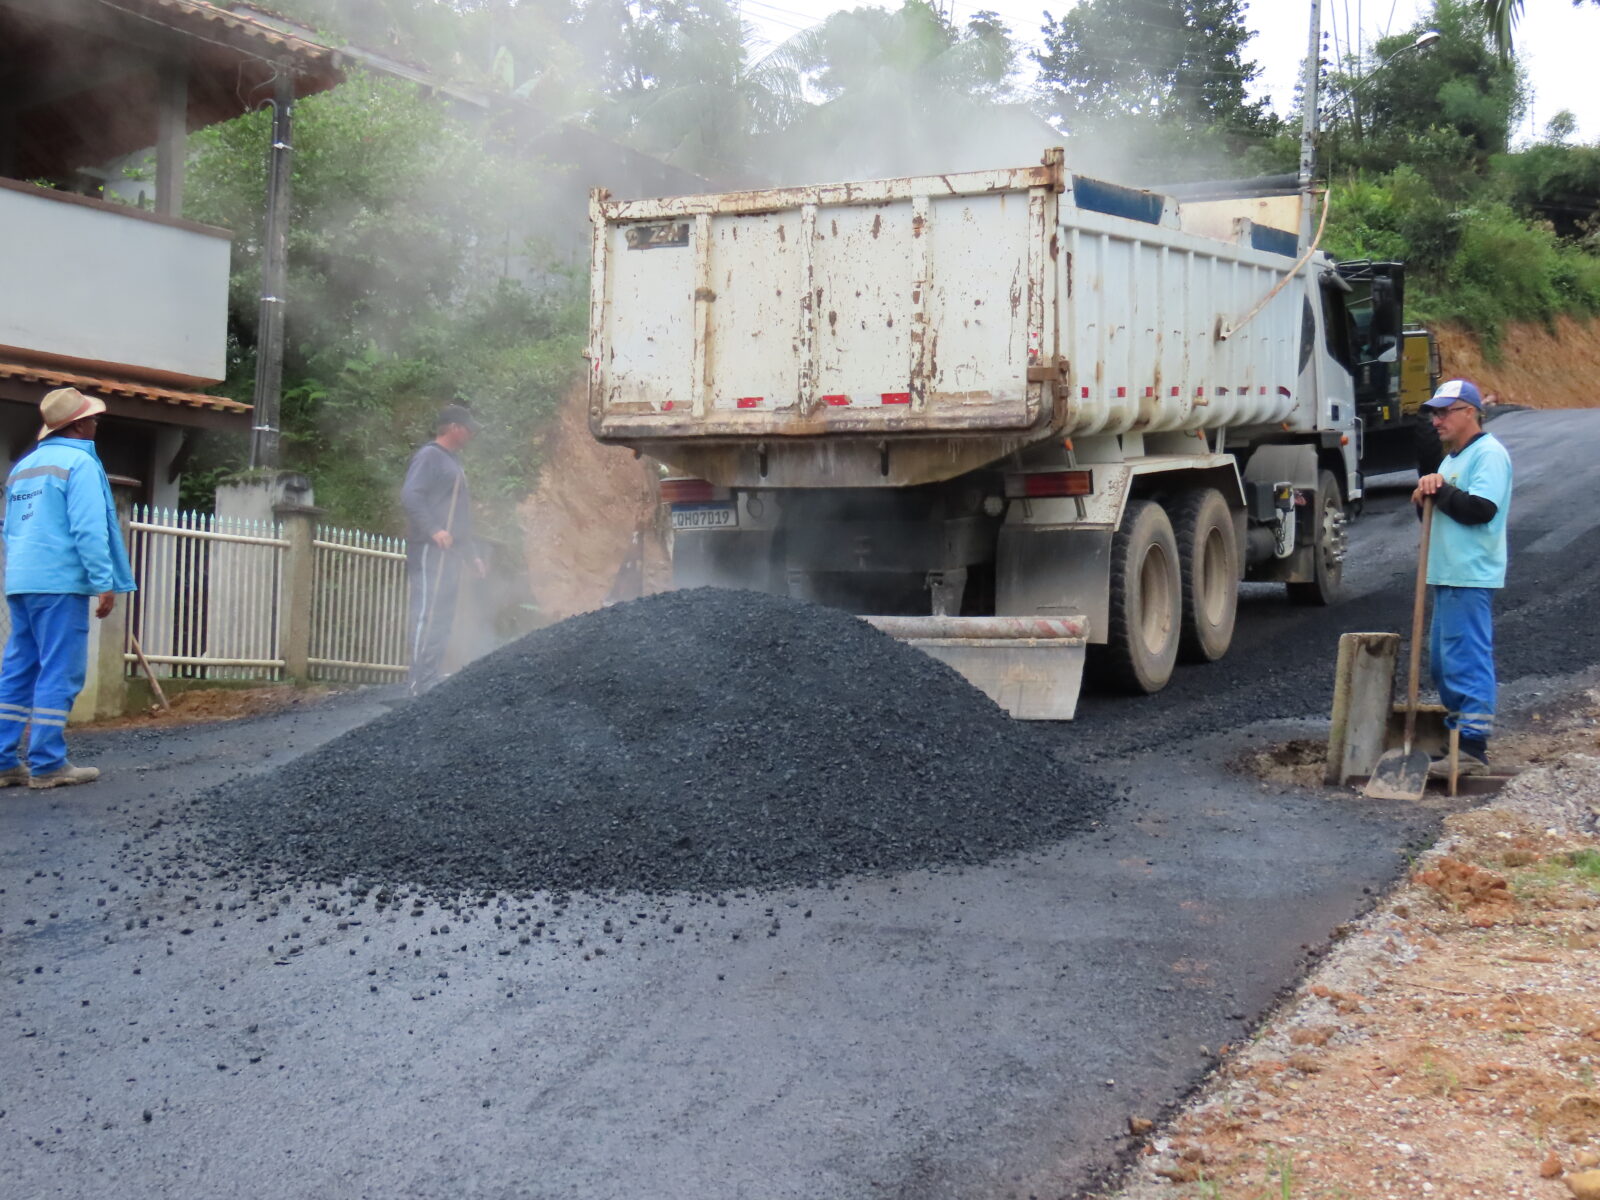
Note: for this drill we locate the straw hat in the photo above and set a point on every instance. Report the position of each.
(63, 406)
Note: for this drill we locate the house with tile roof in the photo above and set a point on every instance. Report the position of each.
(126, 301)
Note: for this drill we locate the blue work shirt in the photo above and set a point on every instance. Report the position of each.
(1473, 555)
(61, 530)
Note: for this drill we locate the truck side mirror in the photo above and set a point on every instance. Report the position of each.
(1392, 354)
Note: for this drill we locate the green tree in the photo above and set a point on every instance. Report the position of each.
(896, 92)
(671, 79)
(412, 282)
(1177, 62)
(1502, 15)
(1446, 110)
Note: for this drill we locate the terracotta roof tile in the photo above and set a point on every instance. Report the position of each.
(109, 386)
(239, 29)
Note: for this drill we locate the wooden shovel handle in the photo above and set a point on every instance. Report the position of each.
(1416, 622)
(149, 673)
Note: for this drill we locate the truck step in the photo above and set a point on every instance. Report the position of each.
(1030, 666)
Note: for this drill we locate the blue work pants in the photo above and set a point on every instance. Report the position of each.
(1461, 652)
(46, 661)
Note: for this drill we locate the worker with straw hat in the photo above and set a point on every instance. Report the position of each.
(64, 551)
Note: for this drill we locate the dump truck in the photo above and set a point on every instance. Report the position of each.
(1022, 418)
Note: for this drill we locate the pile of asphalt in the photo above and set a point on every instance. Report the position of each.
(694, 741)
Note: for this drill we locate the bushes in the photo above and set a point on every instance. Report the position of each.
(414, 280)
(1480, 263)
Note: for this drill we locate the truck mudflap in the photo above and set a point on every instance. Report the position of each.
(1030, 666)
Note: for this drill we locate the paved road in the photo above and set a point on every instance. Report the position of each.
(968, 1034)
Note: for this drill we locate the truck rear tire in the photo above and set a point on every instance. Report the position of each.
(1208, 564)
(1327, 549)
(1142, 638)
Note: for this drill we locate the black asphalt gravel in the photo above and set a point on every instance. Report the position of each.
(965, 1034)
(695, 741)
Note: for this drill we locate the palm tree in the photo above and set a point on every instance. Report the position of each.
(1502, 17)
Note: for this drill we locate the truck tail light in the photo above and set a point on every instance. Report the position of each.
(1045, 484)
(686, 491)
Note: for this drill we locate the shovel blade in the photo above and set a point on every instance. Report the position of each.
(1399, 776)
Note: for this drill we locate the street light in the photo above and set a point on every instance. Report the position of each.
(1308, 98)
(1427, 38)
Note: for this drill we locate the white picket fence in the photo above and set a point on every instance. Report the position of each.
(358, 631)
(207, 604)
(211, 595)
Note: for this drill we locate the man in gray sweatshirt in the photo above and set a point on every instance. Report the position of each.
(438, 540)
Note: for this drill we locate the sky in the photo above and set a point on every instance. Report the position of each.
(1556, 42)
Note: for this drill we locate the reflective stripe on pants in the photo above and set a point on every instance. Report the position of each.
(46, 661)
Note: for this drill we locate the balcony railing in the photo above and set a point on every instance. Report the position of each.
(111, 288)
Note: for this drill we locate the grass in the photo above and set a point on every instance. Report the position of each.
(1442, 1078)
(1586, 865)
(1280, 1182)
(1579, 868)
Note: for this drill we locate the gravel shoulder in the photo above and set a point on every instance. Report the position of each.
(1446, 1045)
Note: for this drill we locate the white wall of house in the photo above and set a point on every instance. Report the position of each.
(90, 283)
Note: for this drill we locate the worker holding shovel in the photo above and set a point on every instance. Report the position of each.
(438, 540)
(1471, 495)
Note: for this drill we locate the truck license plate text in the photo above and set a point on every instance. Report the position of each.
(714, 516)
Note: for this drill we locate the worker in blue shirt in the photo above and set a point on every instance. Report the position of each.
(1466, 564)
(64, 552)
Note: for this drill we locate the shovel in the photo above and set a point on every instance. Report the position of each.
(1403, 774)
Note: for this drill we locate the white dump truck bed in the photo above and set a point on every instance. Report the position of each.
(788, 337)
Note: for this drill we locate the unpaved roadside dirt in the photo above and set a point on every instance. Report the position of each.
(1448, 1043)
(1538, 366)
(200, 705)
(594, 511)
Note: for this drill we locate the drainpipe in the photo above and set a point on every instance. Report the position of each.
(274, 256)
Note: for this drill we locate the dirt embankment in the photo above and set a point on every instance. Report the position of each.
(1538, 367)
(579, 527)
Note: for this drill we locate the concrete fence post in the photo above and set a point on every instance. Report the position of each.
(105, 686)
(299, 523)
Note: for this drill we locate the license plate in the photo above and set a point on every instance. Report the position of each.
(708, 516)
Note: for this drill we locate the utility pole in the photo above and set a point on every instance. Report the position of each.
(274, 278)
(1308, 123)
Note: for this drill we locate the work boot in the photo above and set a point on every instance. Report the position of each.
(1466, 764)
(65, 776)
(17, 776)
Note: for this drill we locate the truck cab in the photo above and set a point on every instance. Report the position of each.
(1395, 366)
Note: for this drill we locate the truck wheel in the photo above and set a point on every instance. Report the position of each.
(1327, 515)
(1142, 640)
(1208, 563)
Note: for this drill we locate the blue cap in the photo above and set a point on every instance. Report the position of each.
(1452, 390)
